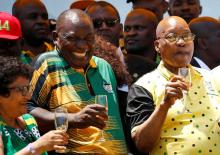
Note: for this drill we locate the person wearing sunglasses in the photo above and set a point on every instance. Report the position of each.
(165, 113)
(106, 22)
(18, 130)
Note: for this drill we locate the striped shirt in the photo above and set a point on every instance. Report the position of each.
(56, 84)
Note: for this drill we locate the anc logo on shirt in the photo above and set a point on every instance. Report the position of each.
(107, 87)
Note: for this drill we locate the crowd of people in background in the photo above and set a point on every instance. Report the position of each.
(161, 77)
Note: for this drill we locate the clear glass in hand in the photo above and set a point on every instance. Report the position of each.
(102, 100)
(61, 121)
(185, 73)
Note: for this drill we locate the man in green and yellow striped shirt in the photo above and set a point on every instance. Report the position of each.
(71, 77)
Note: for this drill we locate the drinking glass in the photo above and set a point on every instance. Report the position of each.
(102, 100)
(185, 73)
(61, 121)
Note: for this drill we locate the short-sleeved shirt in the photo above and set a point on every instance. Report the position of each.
(55, 84)
(216, 77)
(15, 139)
(195, 131)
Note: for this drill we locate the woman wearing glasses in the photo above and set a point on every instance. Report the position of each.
(18, 131)
(173, 113)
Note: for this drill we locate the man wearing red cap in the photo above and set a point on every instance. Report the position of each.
(10, 35)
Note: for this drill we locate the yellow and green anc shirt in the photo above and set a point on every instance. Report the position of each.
(56, 84)
(15, 139)
(194, 131)
(27, 57)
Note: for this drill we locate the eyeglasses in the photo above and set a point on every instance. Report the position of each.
(70, 38)
(24, 90)
(172, 37)
(109, 22)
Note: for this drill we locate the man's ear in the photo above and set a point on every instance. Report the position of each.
(168, 10)
(55, 37)
(202, 43)
(121, 30)
(200, 9)
(157, 46)
(165, 6)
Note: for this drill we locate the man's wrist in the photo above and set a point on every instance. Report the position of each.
(72, 120)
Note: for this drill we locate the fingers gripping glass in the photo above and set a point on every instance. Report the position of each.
(185, 73)
(61, 121)
(172, 37)
(108, 22)
(24, 90)
(102, 100)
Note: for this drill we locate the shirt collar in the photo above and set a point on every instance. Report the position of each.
(49, 47)
(92, 64)
(168, 75)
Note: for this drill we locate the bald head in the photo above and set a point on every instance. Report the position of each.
(101, 4)
(170, 23)
(175, 43)
(74, 16)
(201, 26)
(207, 39)
(147, 16)
(159, 7)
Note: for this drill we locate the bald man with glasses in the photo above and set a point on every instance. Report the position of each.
(166, 114)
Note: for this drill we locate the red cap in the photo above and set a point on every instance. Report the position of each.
(10, 27)
(81, 4)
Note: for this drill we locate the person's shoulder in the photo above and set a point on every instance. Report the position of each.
(29, 119)
(216, 73)
(47, 58)
(2, 123)
(100, 62)
(148, 80)
(202, 71)
(216, 69)
(47, 55)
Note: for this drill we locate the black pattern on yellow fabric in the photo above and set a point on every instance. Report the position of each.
(194, 131)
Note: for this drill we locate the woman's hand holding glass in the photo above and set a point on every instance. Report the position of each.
(52, 140)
